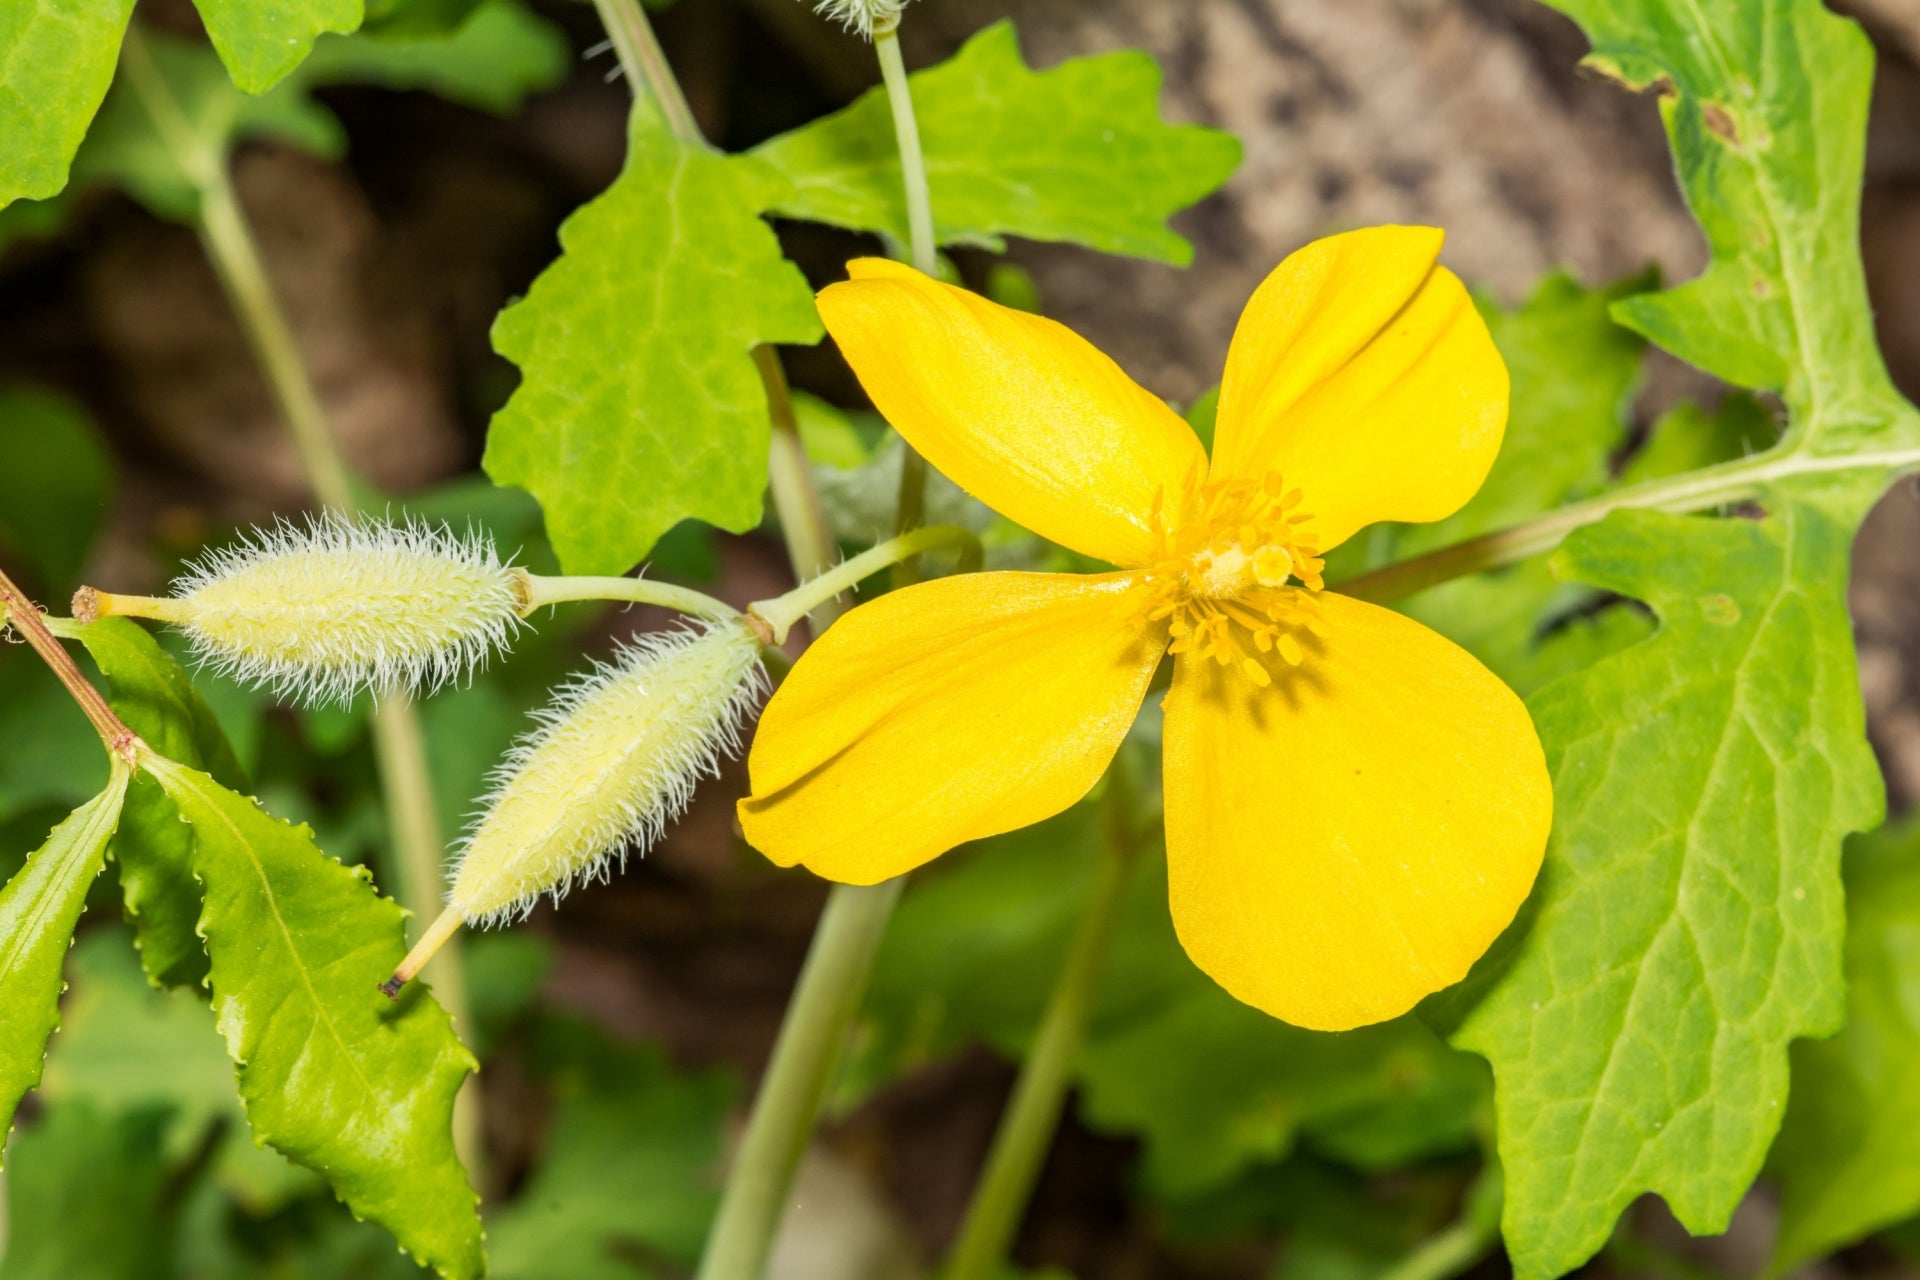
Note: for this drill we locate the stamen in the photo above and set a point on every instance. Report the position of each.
(1237, 576)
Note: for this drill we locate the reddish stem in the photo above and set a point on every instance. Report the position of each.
(24, 615)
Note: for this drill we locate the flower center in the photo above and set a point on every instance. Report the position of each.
(1237, 577)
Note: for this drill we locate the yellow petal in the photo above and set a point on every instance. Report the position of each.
(1015, 409)
(1362, 373)
(1354, 837)
(942, 713)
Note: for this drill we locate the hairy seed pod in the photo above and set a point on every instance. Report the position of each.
(864, 16)
(320, 613)
(614, 760)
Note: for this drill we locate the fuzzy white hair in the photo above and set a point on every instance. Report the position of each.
(864, 16)
(321, 612)
(613, 759)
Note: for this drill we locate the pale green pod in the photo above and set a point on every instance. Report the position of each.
(615, 759)
(320, 613)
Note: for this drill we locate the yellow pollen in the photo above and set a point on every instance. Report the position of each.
(1237, 576)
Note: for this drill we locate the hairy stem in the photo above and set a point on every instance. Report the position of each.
(413, 827)
(1728, 482)
(1033, 1113)
(643, 63)
(780, 614)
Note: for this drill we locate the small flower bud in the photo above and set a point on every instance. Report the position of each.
(319, 614)
(615, 759)
(864, 16)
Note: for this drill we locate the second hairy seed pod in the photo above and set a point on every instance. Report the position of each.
(615, 759)
(320, 613)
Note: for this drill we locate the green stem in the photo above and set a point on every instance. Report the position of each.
(399, 746)
(1027, 1126)
(922, 248)
(906, 136)
(834, 979)
(1727, 482)
(783, 612)
(825, 1001)
(545, 591)
(1447, 1254)
(644, 63)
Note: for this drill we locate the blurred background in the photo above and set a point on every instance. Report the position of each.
(137, 429)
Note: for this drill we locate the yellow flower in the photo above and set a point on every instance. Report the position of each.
(1355, 807)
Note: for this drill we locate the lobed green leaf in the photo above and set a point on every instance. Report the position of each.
(1103, 170)
(39, 908)
(56, 60)
(261, 43)
(1688, 920)
(639, 404)
(332, 1074)
(1848, 1158)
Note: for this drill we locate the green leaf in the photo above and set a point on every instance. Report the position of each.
(1687, 923)
(156, 698)
(492, 62)
(1848, 1158)
(39, 908)
(629, 1177)
(1766, 106)
(56, 60)
(332, 1074)
(261, 43)
(162, 170)
(639, 404)
(126, 1049)
(55, 485)
(87, 1198)
(1078, 153)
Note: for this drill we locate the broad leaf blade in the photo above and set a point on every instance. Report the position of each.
(639, 404)
(332, 1074)
(1104, 170)
(1848, 1158)
(153, 694)
(38, 910)
(1688, 920)
(1766, 106)
(261, 43)
(1687, 923)
(56, 60)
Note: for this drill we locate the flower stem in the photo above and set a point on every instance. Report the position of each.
(833, 981)
(1033, 1113)
(906, 136)
(545, 591)
(781, 613)
(922, 248)
(399, 746)
(1727, 482)
(832, 984)
(644, 63)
